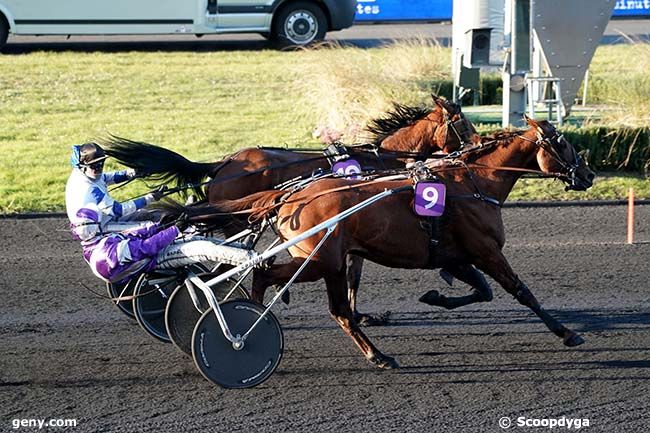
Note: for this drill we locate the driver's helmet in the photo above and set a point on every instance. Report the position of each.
(87, 154)
(87, 223)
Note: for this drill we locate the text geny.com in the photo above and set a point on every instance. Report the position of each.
(40, 423)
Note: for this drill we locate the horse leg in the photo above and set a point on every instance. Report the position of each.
(481, 290)
(280, 274)
(496, 266)
(341, 312)
(354, 267)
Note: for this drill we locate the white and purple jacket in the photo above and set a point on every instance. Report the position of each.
(82, 192)
(120, 256)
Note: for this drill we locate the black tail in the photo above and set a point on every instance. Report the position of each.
(160, 164)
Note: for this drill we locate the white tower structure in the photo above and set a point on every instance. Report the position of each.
(544, 48)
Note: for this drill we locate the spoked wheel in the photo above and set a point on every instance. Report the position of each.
(152, 292)
(182, 314)
(254, 361)
(117, 290)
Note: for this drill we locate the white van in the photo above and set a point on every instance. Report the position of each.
(288, 22)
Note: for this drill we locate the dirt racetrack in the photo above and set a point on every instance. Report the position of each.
(67, 354)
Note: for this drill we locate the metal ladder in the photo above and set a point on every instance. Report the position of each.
(554, 104)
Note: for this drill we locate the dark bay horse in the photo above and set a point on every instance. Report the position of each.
(404, 131)
(470, 233)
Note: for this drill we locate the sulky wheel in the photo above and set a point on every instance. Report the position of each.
(152, 292)
(117, 290)
(254, 361)
(182, 314)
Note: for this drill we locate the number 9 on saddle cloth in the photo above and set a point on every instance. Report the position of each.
(120, 256)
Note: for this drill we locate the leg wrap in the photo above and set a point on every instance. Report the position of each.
(482, 287)
(523, 295)
(483, 295)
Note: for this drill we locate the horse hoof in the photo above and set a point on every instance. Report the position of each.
(449, 279)
(384, 362)
(368, 320)
(286, 296)
(573, 340)
(432, 297)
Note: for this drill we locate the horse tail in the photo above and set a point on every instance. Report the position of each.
(159, 164)
(212, 220)
(220, 216)
(259, 204)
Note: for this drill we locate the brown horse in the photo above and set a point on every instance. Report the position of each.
(470, 232)
(403, 132)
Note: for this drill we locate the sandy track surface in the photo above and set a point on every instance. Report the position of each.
(67, 354)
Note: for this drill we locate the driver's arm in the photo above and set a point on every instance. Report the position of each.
(114, 177)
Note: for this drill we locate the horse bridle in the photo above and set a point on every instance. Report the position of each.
(568, 169)
(461, 127)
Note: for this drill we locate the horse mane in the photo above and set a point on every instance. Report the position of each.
(494, 140)
(502, 137)
(395, 119)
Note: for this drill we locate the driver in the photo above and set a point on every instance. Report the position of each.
(115, 255)
(89, 184)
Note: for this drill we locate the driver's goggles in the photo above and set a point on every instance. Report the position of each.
(96, 165)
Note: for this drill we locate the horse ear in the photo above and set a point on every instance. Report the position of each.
(533, 124)
(440, 102)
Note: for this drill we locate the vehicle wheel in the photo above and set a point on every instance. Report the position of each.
(182, 314)
(152, 292)
(244, 367)
(116, 290)
(4, 31)
(299, 24)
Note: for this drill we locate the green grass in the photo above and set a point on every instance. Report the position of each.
(203, 105)
(619, 79)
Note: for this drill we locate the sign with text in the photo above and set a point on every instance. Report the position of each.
(628, 8)
(348, 168)
(394, 10)
(441, 10)
(429, 199)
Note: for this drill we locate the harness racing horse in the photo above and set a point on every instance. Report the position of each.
(471, 231)
(406, 132)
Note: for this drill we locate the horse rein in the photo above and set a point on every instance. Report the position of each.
(543, 142)
(260, 212)
(377, 151)
(546, 144)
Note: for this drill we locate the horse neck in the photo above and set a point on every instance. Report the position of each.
(419, 137)
(515, 152)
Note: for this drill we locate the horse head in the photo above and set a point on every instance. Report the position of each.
(423, 130)
(555, 155)
(457, 130)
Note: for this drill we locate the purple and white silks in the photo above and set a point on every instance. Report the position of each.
(120, 256)
(82, 192)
